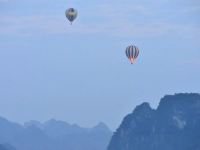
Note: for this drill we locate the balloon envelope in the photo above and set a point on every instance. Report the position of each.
(132, 53)
(71, 14)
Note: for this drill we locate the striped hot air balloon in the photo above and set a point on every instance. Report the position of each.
(132, 53)
(71, 14)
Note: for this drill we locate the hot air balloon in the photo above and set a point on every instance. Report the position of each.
(71, 14)
(132, 53)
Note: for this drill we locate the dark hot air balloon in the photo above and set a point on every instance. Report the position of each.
(132, 53)
(71, 14)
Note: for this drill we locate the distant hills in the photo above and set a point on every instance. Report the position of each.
(174, 125)
(52, 135)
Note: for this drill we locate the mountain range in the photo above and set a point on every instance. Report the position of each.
(173, 125)
(52, 135)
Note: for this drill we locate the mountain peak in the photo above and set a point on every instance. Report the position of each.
(54, 122)
(143, 107)
(175, 124)
(33, 123)
(179, 101)
(180, 97)
(143, 111)
(101, 127)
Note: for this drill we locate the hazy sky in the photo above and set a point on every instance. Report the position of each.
(79, 73)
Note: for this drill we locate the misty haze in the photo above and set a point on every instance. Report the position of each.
(99, 75)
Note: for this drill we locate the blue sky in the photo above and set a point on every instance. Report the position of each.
(80, 73)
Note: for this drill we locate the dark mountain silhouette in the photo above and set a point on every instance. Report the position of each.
(174, 125)
(53, 135)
